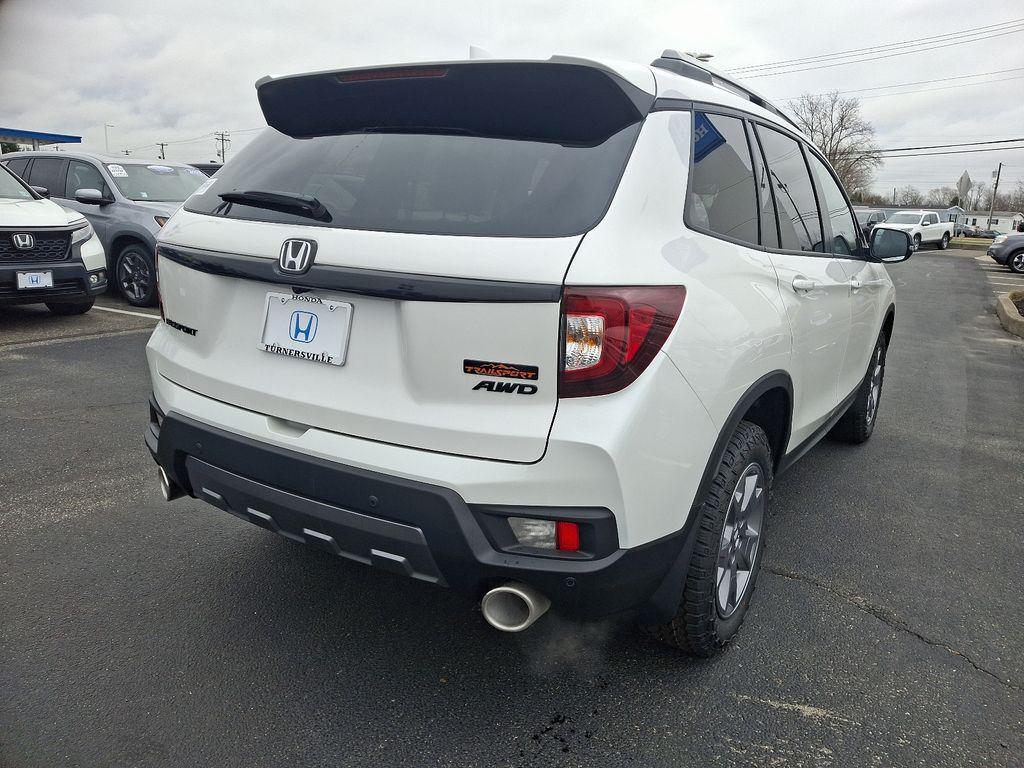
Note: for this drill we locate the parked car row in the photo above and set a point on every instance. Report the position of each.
(126, 201)
(923, 227)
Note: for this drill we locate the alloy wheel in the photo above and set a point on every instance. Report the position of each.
(875, 393)
(1017, 263)
(133, 275)
(741, 537)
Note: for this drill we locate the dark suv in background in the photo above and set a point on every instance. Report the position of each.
(126, 200)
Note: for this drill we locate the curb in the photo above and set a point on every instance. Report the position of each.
(1008, 314)
(970, 244)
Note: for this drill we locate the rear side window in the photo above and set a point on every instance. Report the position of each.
(799, 225)
(428, 183)
(844, 229)
(722, 196)
(18, 165)
(46, 172)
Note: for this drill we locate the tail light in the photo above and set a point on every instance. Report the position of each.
(156, 274)
(612, 334)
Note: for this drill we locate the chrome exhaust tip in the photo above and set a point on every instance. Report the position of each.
(169, 490)
(513, 607)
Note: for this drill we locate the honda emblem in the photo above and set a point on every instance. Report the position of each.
(297, 256)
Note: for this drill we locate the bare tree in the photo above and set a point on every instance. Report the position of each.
(836, 126)
(940, 197)
(909, 196)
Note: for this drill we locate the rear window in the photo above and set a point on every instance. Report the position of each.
(904, 218)
(427, 183)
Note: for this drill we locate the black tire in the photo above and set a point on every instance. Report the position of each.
(135, 275)
(944, 242)
(70, 307)
(1016, 262)
(858, 422)
(917, 242)
(702, 627)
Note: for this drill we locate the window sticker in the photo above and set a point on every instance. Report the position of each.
(117, 171)
(165, 169)
(195, 172)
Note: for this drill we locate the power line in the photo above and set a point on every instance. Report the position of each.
(958, 144)
(928, 48)
(852, 51)
(918, 82)
(956, 152)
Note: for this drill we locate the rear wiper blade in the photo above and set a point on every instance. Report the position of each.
(303, 205)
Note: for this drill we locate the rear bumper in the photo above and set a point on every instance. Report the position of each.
(70, 283)
(417, 529)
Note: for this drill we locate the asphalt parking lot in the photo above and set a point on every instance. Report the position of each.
(886, 631)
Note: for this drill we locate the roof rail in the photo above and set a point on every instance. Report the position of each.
(687, 66)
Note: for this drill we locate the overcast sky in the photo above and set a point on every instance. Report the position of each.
(174, 71)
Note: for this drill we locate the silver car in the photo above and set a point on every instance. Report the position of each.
(125, 199)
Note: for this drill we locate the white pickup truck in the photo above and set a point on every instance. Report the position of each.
(922, 226)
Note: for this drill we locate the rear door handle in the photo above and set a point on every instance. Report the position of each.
(856, 284)
(803, 284)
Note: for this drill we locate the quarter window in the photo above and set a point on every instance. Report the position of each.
(722, 197)
(844, 229)
(799, 225)
(18, 165)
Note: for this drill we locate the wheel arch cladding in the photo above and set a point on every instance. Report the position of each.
(769, 399)
(887, 324)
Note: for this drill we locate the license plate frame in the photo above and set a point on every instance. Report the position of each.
(32, 280)
(307, 327)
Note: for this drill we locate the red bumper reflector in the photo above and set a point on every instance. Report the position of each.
(567, 536)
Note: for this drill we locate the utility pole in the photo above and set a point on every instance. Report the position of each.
(162, 144)
(894, 196)
(995, 190)
(106, 138)
(224, 140)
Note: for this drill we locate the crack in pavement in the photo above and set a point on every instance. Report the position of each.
(891, 621)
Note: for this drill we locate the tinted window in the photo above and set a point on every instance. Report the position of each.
(46, 172)
(82, 176)
(18, 165)
(799, 225)
(844, 228)
(428, 183)
(769, 225)
(722, 197)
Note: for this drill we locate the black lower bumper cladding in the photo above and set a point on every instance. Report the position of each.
(424, 531)
(70, 283)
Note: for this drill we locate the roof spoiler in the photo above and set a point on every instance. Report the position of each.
(562, 100)
(695, 69)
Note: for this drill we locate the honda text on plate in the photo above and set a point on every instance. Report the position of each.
(544, 332)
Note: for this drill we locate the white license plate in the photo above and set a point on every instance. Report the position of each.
(306, 327)
(28, 280)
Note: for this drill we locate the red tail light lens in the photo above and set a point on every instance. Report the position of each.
(612, 334)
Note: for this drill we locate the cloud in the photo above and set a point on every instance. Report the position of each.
(181, 69)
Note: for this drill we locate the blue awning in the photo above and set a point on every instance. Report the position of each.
(37, 137)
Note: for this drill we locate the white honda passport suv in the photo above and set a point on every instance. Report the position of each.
(542, 331)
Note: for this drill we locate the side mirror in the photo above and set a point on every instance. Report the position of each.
(41, 191)
(890, 246)
(88, 196)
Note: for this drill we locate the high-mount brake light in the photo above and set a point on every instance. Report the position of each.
(391, 74)
(612, 334)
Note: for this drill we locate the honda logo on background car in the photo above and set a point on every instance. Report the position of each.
(23, 240)
(296, 256)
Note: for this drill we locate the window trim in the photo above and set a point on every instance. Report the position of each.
(687, 105)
